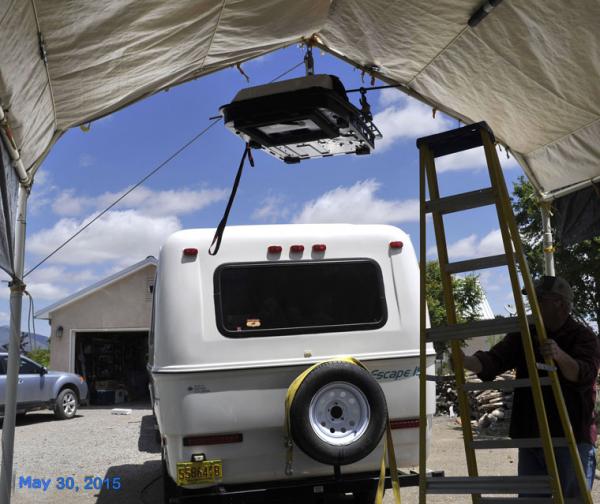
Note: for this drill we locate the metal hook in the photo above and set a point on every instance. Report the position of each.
(309, 62)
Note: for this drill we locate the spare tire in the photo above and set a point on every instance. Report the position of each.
(338, 414)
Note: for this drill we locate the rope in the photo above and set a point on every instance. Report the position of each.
(31, 321)
(216, 243)
(287, 72)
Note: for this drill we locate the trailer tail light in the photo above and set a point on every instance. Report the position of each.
(275, 249)
(212, 439)
(410, 423)
(297, 248)
(190, 252)
(319, 247)
(396, 245)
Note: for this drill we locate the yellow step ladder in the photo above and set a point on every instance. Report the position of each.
(432, 147)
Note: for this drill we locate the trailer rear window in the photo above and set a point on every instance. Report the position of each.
(267, 299)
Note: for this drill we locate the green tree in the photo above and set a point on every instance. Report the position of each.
(468, 295)
(579, 264)
(40, 355)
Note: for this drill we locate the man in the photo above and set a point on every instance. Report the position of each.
(576, 353)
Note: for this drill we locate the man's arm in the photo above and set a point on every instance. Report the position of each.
(472, 363)
(500, 358)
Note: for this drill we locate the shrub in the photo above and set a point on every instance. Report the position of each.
(40, 355)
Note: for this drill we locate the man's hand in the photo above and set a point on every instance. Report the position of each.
(568, 366)
(550, 350)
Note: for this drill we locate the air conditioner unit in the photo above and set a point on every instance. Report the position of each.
(300, 118)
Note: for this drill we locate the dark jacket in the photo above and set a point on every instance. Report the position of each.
(580, 397)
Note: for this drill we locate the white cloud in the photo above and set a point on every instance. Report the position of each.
(126, 234)
(42, 192)
(391, 95)
(489, 281)
(145, 201)
(41, 177)
(123, 237)
(54, 274)
(271, 210)
(407, 119)
(472, 247)
(472, 159)
(357, 204)
(86, 160)
(66, 203)
(47, 291)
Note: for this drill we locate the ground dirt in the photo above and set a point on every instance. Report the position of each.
(100, 445)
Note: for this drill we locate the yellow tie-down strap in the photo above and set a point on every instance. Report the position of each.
(388, 446)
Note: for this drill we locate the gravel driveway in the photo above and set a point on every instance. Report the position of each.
(94, 444)
(97, 444)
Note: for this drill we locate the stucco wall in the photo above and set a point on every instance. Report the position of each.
(125, 304)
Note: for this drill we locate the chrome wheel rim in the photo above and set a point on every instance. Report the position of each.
(339, 413)
(69, 403)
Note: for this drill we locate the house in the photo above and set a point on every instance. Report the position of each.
(101, 333)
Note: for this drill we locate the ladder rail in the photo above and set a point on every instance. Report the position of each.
(509, 238)
(423, 338)
(496, 172)
(451, 318)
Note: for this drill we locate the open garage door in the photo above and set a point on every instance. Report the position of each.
(114, 365)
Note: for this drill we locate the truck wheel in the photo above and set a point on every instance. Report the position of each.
(338, 414)
(66, 404)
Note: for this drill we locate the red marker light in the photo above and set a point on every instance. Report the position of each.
(275, 249)
(410, 423)
(212, 439)
(396, 244)
(297, 248)
(190, 252)
(319, 247)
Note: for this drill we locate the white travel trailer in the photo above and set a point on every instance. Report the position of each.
(231, 332)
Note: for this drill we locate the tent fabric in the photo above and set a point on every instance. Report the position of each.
(530, 69)
(577, 215)
(9, 186)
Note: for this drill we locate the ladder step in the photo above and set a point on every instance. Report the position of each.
(501, 443)
(504, 384)
(437, 378)
(488, 484)
(456, 140)
(463, 201)
(477, 264)
(473, 329)
(523, 500)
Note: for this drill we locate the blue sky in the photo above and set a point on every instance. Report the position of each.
(86, 171)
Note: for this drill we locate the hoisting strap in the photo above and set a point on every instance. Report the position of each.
(388, 446)
(221, 227)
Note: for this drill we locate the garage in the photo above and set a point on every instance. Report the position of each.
(101, 333)
(113, 364)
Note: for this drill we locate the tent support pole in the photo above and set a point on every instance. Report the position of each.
(547, 243)
(16, 301)
(13, 149)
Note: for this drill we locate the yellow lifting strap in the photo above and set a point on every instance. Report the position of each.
(388, 446)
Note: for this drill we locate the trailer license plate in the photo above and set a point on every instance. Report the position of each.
(191, 473)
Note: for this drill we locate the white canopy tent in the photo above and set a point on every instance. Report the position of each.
(530, 69)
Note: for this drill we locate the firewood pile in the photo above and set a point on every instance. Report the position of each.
(490, 409)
